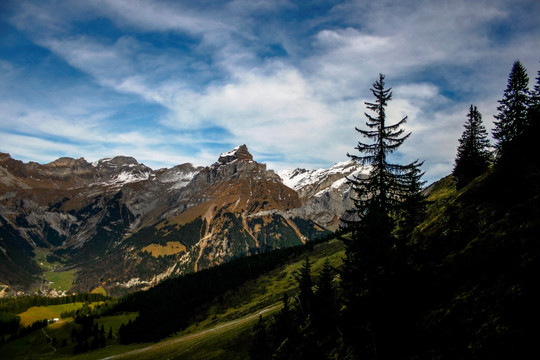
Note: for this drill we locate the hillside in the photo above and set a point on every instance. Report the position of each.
(221, 328)
(478, 254)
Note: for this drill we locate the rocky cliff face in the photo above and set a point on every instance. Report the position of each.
(123, 226)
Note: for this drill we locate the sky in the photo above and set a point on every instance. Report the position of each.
(170, 82)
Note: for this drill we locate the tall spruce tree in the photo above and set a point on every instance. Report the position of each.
(512, 119)
(526, 149)
(371, 262)
(305, 284)
(379, 193)
(473, 155)
(535, 101)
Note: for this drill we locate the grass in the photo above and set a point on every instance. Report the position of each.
(40, 257)
(37, 313)
(100, 290)
(61, 280)
(267, 290)
(227, 341)
(441, 191)
(172, 247)
(115, 321)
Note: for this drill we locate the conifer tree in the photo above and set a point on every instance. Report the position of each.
(526, 150)
(473, 155)
(379, 193)
(370, 262)
(305, 284)
(324, 300)
(512, 120)
(535, 100)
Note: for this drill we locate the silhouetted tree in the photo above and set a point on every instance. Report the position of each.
(305, 284)
(512, 120)
(380, 192)
(284, 331)
(372, 264)
(473, 155)
(325, 311)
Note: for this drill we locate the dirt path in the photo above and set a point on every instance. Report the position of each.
(168, 343)
(50, 340)
(3, 292)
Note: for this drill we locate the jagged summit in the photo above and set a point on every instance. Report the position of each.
(116, 161)
(67, 162)
(238, 153)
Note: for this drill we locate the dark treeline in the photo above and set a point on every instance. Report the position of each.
(174, 304)
(88, 336)
(15, 331)
(306, 327)
(95, 311)
(17, 305)
(9, 323)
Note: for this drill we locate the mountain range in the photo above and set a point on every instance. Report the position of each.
(116, 225)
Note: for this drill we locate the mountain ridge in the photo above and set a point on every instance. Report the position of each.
(102, 218)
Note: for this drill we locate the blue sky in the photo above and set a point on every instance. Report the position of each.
(170, 82)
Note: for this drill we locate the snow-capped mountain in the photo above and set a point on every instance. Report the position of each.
(311, 182)
(124, 226)
(325, 193)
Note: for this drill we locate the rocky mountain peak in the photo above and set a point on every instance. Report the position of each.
(115, 162)
(240, 153)
(4, 157)
(67, 162)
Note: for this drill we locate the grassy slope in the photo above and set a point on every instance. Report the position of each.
(221, 334)
(37, 313)
(482, 251)
(59, 280)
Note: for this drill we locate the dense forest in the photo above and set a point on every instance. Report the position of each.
(452, 277)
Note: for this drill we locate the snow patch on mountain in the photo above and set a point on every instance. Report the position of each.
(178, 179)
(100, 161)
(298, 179)
(128, 177)
(230, 153)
